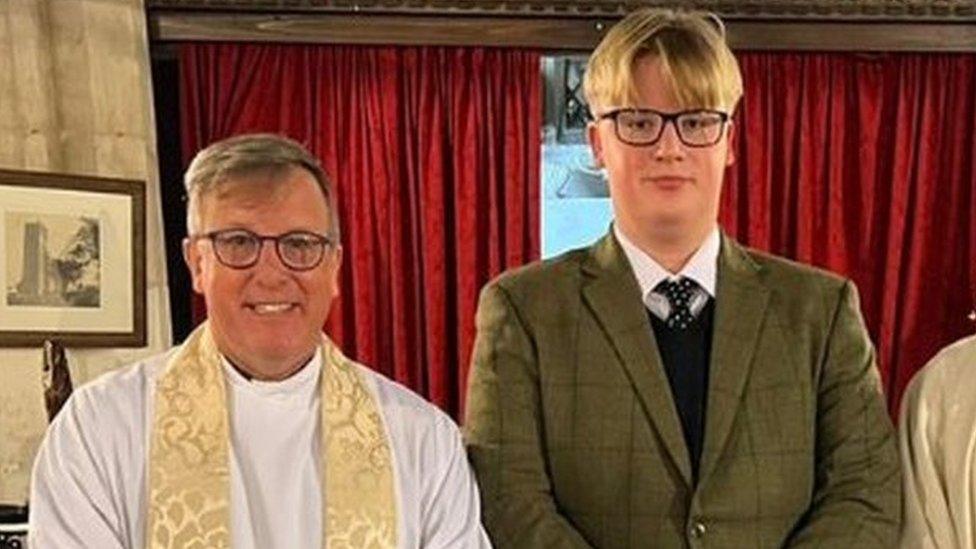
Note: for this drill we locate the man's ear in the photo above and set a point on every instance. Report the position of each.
(336, 267)
(596, 145)
(730, 143)
(194, 263)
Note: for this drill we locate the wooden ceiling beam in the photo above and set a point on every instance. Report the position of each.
(564, 25)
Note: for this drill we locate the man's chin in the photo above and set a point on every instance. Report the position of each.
(266, 353)
(273, 366)
(671, 222)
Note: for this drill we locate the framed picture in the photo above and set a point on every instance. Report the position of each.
(72, 260)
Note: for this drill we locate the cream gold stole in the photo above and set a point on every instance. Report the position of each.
(189, 475)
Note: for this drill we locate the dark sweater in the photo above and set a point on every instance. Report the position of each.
(685, 355)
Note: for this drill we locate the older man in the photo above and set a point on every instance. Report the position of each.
(256, 431)
(666, 386)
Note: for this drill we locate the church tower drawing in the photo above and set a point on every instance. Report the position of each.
(39, 277)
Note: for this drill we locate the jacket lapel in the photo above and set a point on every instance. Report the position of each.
(741, 301)
(612, 293)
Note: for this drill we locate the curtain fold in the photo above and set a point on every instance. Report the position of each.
(434, 152)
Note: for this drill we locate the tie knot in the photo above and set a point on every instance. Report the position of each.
(679, 294)
(677, 291)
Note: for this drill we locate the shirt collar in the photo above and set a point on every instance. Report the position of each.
(702, 267)
(300, 381)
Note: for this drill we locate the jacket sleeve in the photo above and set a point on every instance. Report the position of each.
(504, 431)
(857, 495)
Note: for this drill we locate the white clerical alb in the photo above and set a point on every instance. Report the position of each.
(938, 450)
(90, 478)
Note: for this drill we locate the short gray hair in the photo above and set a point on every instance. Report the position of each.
(250, 154)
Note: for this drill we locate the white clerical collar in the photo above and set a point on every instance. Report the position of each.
(702, 267)
(302, 381)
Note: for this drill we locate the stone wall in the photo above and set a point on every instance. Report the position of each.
(75, 97)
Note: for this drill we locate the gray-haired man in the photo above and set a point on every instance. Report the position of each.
(256, 431)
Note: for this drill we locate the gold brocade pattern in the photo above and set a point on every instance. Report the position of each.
(189, 476)
(189, 486)
(360, 497)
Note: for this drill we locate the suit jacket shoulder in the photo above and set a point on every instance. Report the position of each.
(563, 269)
(790, 274)
(543, 292)
(801, 293)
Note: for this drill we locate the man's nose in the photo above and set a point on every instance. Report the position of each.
(669, 146)
(268, 258)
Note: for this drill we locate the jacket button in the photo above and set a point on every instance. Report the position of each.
(698, 529)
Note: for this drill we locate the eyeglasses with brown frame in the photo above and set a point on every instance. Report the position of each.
(241, 248)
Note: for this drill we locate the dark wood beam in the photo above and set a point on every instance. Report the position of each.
(550, 33)
(912, 11)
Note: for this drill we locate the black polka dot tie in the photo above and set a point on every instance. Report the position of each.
(679, 294)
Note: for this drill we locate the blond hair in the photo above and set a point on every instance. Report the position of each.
(694, 58)
(236, 158)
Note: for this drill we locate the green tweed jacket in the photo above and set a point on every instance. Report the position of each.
(576, 441)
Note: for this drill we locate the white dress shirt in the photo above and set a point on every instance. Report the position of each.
(702, 267)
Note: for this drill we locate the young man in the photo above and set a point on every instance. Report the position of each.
(667, 387)
(256, 431)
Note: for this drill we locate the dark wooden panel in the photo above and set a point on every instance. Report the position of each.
(852, 36)
(379, 29)
(881, 10)
(550, 33)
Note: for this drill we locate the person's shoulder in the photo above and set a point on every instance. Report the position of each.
(133, 378)
(960, 354)
(406, 408)
(543, 273)
(115, 398)
(802, 294)
(782, 271)
(952, 369)
(555, 278)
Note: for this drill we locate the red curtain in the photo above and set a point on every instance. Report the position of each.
(864, 164)
(435, 156)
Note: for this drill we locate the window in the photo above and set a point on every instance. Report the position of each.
(575, 200)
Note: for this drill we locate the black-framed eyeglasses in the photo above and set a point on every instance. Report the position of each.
(644, 127)
(241, 248)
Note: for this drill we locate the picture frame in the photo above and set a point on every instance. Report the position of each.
(72, 260)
